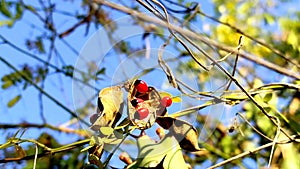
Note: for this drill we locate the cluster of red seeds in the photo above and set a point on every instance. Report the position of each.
(142, 112)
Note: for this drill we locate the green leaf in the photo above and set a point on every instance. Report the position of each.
(4, 10)
(7, 84)
(112, 140)
(152, 154)
(269, 19)
(8, 23)
(100, 72)
(268, 97)
(290, 157)
(19, 10)
(106, 130)
(13, 101)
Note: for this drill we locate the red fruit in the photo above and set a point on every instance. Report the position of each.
(93, 118)
(136, 102)
(141, 86)
(166, 101)
(141, 113)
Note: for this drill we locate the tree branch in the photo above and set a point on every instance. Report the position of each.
(44, 92)
(251, 152)
(189, 33)
(32, 125)
(46, 153)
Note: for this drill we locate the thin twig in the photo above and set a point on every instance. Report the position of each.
(232, 78)
(35, 156)
(275, 140)
(241, 42)
(189, 33)
(236, 82)
(49, 64)
(286, 141)
(33, 125)
(42, 91)
(51, 151)
(294, 62)
(257, 131)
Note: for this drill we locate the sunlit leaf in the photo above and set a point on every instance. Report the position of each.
(8, 23)
(152, 154)
(110, 105)
(290, 156)
(106, 130)
(268, 97)
(176, 99)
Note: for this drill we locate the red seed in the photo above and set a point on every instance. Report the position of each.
(141, 86)
(141, 113)
(166, 101)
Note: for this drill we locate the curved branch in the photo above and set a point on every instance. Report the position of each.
(250, 57)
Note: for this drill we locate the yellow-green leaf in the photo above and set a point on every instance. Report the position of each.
(166, 153)
(7, 84)
(8, 23)
(106, 130)
(4, 10)
(176, 99)
(13, 101)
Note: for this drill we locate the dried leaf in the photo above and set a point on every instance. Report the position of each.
(184, 132)
(96, 150)
(19, 150)
(110, 105)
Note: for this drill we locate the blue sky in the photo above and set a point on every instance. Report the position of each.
(57, 85)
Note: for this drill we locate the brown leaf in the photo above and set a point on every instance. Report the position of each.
(19, 150)
(184, 132)
(110, 105)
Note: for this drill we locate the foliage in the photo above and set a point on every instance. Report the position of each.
(242, 55)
